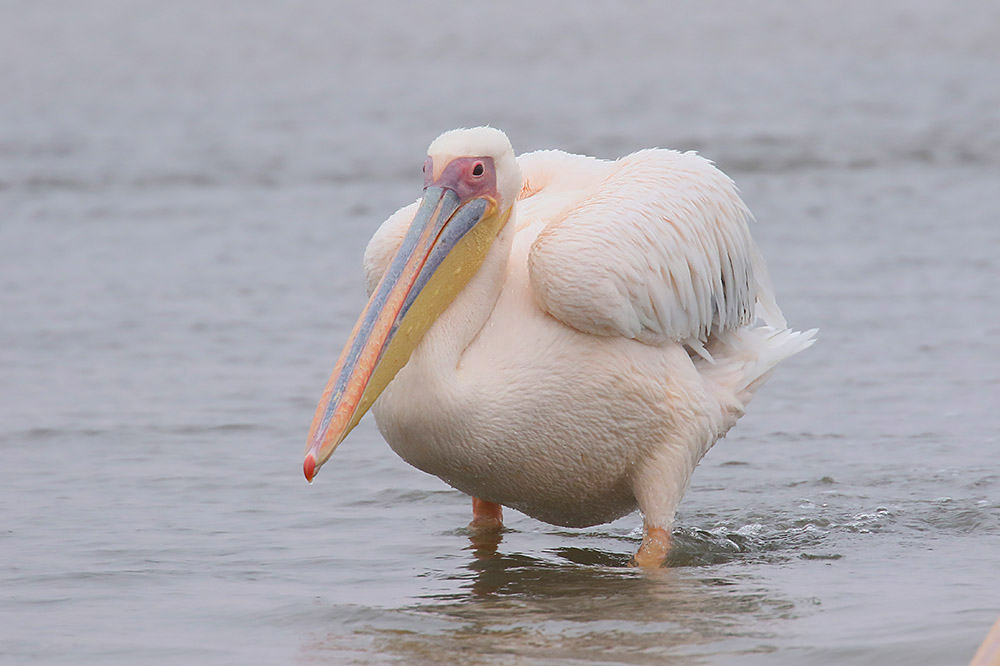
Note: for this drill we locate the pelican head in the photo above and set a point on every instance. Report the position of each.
(471, 180)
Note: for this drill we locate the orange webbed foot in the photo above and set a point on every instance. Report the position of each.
(653, 551)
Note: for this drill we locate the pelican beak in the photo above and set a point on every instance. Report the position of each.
(443, 248)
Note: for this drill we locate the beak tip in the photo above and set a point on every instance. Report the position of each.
(309, 467)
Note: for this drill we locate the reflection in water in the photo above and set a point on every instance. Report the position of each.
(582, 602)
(585, 604)
(484, 544)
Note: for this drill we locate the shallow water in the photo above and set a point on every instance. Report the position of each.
(186, 191)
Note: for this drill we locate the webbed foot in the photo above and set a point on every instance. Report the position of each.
(653, 551)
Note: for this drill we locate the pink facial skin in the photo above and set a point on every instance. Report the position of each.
(469, 177)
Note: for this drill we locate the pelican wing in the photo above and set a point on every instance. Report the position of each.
(659, 249)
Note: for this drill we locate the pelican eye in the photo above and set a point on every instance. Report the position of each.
(478, 169)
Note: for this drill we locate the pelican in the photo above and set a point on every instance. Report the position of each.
(558, 334)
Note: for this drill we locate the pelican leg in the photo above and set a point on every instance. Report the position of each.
(659, 485)
(486, 528)
(653, 551)
(486, 516)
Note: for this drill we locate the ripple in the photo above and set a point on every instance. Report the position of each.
(46, 434)
(948, 516)
(221, 428)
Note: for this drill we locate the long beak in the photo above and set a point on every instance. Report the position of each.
(444, 246)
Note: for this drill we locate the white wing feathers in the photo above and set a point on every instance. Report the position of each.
(660, 249)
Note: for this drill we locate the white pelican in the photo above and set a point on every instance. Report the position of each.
(559, 334)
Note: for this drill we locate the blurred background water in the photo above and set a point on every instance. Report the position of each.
(186, 189)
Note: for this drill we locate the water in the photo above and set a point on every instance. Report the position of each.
(186, 191)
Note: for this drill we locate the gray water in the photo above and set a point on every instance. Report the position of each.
(185, 192)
